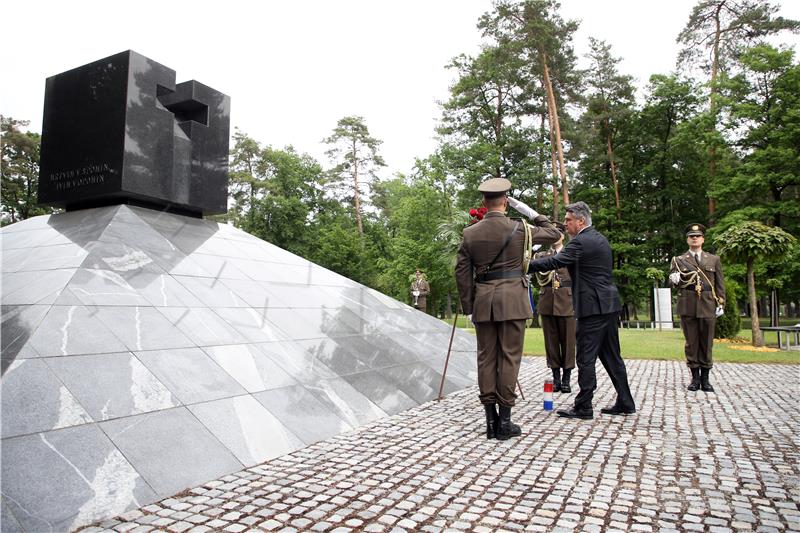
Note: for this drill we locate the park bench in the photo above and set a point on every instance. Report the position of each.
(792, 336)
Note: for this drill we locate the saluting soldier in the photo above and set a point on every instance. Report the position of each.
(493, 287)
(558, 320)
(420, 291)
(701, 297)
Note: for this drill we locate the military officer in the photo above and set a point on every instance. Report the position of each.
(420, 291)
(493, 288)
(558, 320)
(701, 297)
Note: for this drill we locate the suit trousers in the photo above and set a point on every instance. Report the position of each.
(559, 340)
(499, 357)
(598, 336)
(699, 335)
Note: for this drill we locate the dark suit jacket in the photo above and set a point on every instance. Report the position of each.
(555, 302)
(688, 302)
(500, 299)
(587, 256)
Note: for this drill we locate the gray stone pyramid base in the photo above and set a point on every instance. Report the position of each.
(144, 353)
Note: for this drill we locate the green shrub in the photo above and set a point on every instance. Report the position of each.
(729, 324)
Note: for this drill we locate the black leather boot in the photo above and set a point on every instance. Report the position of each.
(556, 379)
(565, 387)
(705, 386)
(506, 428)
(695, 384)
(492, 420)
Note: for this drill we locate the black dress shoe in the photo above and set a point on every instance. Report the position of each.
(617, 410)
(583, 414)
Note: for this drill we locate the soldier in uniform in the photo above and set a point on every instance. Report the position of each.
(493, 287)
(420, 291)
(701, 297)
(558, 320)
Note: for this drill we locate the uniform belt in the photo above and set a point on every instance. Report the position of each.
(503, 274)
(706, 288)
(560, 285)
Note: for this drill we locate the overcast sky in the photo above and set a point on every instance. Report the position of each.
(293, 68)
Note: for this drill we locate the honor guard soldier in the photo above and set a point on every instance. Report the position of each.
(420, 291)
(492, 284)
(701, 298)
(558, 320)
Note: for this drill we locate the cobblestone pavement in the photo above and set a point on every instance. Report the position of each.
(720, 462)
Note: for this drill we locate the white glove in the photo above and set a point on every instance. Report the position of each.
(536, 247)
(522, 208)
(675, 278)
(720, 311)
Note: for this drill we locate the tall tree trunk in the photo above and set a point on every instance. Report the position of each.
(541, 151)
(554, 165)
(610, 151)
(712, 106)
(449, 306)
(755, 327)
(356, 193)
(498, 128)
(551, 100)
(774, 309)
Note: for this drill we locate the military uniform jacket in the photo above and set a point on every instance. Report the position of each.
(499, 299)
(555, 302)
(689, 304)
(421, 286)
(588, 258)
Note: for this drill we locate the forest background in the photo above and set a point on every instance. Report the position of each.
(717, 141)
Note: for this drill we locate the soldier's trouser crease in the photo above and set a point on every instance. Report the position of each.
(499, 357)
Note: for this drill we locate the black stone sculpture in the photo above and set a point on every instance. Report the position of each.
(119, 130)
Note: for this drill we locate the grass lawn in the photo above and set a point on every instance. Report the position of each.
(668, 346)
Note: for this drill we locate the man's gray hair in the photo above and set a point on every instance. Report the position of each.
(581, 210)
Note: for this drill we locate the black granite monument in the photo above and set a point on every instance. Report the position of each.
(119, 130)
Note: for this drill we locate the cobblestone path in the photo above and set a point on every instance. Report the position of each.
(720, 462)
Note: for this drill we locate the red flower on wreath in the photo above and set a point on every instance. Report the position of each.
(476, 215)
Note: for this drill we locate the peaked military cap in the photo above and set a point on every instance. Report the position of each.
(695, 229)
(495, 185)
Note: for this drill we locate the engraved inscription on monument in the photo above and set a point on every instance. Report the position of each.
(120, 130)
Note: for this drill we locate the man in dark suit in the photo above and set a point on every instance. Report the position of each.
(588, 258)
(493, 288)
(701, 298)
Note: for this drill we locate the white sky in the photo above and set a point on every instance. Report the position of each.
(294, 67)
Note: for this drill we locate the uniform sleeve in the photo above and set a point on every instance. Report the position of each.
(464, 278)
(544, 232)
(425, 289)
(569, 255)
(673, 267)
(719, 282)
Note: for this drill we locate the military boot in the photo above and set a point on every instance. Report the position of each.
(565, 387)
(506, 428)
(695, 384)
(556, 379)
(705, 386)
(492, 420)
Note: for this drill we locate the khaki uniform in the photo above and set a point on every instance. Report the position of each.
(558, 317)
(499, 307)
(697, 309)
(424, 290)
